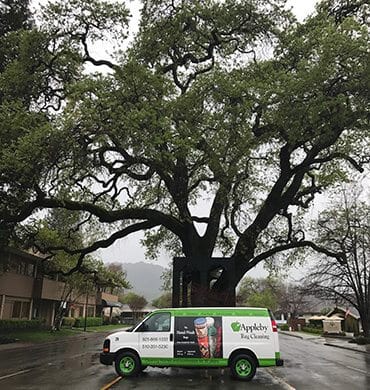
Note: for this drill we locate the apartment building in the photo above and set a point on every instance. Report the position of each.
(25, 293)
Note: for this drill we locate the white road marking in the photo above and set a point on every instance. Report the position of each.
(14, 374)
(281, 381)
(355, 369)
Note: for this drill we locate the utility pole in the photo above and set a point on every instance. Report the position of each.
(87, 299)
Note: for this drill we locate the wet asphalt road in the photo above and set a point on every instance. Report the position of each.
(74, 365)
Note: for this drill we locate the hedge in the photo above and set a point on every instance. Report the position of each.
(10, 325)
(69, 321)
(361, 340)
(90, 321)
(312, 330)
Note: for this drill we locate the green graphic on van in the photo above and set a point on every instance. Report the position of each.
(235, 326)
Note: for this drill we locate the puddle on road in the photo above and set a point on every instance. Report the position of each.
(292, 363)
(82, 360)
(201, 379)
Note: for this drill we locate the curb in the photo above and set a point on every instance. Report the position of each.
(292, 335)
(347, 348)
(327, 344)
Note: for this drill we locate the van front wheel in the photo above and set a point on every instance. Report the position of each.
(243, 367)
(127, 364)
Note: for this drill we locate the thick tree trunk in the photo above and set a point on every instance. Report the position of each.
(220, 294)
(365, 321)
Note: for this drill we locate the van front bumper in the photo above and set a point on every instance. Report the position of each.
(107, 358)
(279, 362)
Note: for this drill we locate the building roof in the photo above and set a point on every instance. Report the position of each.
(342, 311)
(106, 303)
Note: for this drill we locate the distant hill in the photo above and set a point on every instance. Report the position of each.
(145, 279)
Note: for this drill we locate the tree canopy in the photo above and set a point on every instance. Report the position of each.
(230, 102)
(263, 292)
(135, 302)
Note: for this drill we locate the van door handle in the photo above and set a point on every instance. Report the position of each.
(171, 336)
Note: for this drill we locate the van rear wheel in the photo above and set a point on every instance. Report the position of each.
(127, 364)
(243, 367)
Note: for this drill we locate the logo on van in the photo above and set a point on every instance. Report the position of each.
(237, 327)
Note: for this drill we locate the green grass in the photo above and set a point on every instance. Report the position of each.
(106, 328)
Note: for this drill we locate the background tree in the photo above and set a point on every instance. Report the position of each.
(117, 273)
(294, 300)
(272, 292)
(260, 292)
(192, 108)
(89, 279)
(164, 300)
(60, 228)
(345, 228)
(135, 302)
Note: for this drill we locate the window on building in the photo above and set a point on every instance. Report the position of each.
(22, 268)
(25, 309)
(17, 306)
(20, 309)
(13, 267)
(30, 270)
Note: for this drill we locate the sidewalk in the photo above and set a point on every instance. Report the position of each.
(329, 341)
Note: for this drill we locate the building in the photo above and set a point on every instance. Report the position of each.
(350, 319)
(25, 293)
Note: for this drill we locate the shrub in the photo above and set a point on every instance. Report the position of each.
(340, 334)
(361, 340)
(115, 321)
(68, 321)
(10, 325)
(7, 340)
(90, 321)
(312, 330)
(284, 327)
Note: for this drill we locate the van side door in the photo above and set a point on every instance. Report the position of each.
(156, 336)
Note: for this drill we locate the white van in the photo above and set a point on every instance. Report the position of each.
(242, 338)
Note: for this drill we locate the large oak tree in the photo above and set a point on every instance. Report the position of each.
(232, 102)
